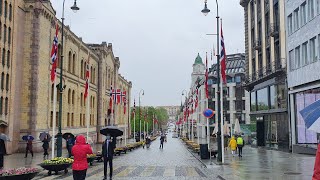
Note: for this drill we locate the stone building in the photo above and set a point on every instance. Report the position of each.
(265, 48)
(303, 52)
(27, 104)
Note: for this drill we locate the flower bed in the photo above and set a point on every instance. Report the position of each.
(58, 160)
(57, 164)
(19, 173)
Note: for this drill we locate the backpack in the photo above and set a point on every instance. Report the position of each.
(239, 141)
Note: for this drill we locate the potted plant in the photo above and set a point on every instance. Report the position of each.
(57, 164)
(21, 173)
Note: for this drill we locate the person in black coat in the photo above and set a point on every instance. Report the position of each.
(45, 147)
(107, 154)
(3, 152)
(161, 141)
(70, 144)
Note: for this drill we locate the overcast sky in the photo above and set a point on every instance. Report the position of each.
(156, 40)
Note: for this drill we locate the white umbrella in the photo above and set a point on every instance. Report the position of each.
(215, 130)
(237, 129)
(226, 130)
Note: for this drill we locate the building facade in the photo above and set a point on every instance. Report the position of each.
(265, 48)
(27, 104)
(303, 50)
(172, 111)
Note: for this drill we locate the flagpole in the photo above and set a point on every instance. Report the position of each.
(153, 125)
(222, 121)
(88, 111)
(147, 128)
(134, 125)
(54, 118)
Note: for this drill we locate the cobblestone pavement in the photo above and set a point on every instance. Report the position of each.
(177, 163)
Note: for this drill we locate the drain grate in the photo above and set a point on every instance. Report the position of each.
(292, 173)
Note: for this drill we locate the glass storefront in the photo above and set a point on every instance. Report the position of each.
(253, 101)
(262, 99)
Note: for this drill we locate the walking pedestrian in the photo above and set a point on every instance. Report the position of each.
(233, 145)
(161, 141)
(29, 148)
(240, 144)
(80, 151)
(45, 147)
(3, 152)
(70, 143)
(107, 153)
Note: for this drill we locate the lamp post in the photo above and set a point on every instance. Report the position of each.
(205, 11)
(141, 91)
(75, 8)
(182, 94)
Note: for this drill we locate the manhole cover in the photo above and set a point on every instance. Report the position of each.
(292, 173)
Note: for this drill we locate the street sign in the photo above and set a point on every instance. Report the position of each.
(208, 113)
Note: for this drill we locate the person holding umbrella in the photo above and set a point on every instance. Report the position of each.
(70, 143)
(45, 146)
(29, 140)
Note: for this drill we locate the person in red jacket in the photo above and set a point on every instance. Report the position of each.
(80, 164)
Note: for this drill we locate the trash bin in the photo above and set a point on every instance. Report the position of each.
(204, 153)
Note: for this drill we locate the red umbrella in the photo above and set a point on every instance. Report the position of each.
(316, 171)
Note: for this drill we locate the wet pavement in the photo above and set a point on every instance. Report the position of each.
(176, 162)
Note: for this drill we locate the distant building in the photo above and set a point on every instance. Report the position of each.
(172, 111)
(303, 52)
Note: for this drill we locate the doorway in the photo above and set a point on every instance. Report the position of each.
(260, 132)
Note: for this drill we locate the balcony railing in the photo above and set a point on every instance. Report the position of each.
(257, 44)
(274, 30)
(265, 72)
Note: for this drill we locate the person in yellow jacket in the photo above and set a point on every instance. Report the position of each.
(233, 145)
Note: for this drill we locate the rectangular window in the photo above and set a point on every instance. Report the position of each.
(311, 9)
(312, 50)
(296, 19)
(303, 14)
(291, 60)
(297, 58)
(262, 99)
(304, 54)
(290, 24)
(253, 106)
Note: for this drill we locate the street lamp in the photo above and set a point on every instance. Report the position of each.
(205, 11)
(182, 94)
(141, 91)
(61, 87)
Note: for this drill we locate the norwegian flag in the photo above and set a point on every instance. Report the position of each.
(223, 58)
(122, 96)
(111, 97)
(124, 102)
(54, 54)
(206, 83)
(87, 78)
(118, 96)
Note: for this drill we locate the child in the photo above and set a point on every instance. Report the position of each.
(233, 145)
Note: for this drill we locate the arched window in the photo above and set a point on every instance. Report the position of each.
(84, 70)
(69, 96)
(68, 120)
(80, 119)
(10, 12)
(83, 119)
(0, 21)
(51, 118)
(8, 58)
(7, 82)
(69, 62)
(81, 101)
(9, 35)
(6, 106)
(1, 6)
(5, 9)
(73, 63)
(94, 76)
(2, 81)
(73, 94)
(72, 120)
(93, 102)
(3, 57)
(1, 105)
(52, 90)
(91, 70)
(81, 73)
(4, 33)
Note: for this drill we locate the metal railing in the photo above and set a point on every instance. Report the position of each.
(271, 68)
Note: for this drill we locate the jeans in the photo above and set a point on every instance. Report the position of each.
(79, 175)
(105, 167)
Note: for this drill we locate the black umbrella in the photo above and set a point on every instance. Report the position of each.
(112, 131)
(27, 138)
(65, 135)
(43, 135)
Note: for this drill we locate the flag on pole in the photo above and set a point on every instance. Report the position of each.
(206, 82)
(223, 58)
(118, 96)
(124, 102)
(54, 54)
(87, 78)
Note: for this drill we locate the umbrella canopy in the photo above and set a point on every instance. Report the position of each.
(27, 138)
(311, 116)
(112, 130)
(43, 135)
(4, 137)
(237, 129)
(65, 135)
(215, 130)
(226, 130)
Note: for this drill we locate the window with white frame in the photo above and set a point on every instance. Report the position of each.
(291, 60)
(312, 50)
(296, 19)
(311, 9)
(297, 63)
(304, 54)
(290, 24)
(303, 14)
